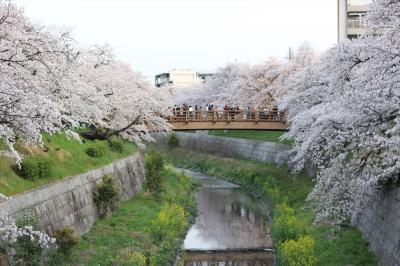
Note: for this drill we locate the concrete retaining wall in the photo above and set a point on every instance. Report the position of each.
(379, 223)
(70, 202)
(234, 147)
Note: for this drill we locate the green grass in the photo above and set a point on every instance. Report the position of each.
(69, 158)
(129, 228)
(333, 247)
(266, 135)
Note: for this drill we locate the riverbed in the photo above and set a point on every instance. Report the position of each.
(231, 227)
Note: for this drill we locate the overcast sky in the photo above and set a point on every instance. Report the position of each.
(156, 36)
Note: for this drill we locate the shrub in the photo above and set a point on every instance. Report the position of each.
(117, 145)
(163, 254)
(66, 240)
(45, 167)
(35, 167)
(283, 209)
(287, 227)
(173, 141)
(96, 151)
(272, 191)
(27, 219)
(298, 252)
(154, 165)
(28, 251)
(170, 222)
(106, 196)
(31, 248)
(131, 257)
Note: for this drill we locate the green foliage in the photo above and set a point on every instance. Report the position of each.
(163, 254)
(173, 140)
(272, 191)
(299, 252)
(131, 257)
(169, 223)
(283, 209)
(28, 168)
(27, 219)
(154, 165)
(117, 145)
(36, 167)
(106, 196)
(96, 151)
(28, 251)
(66, 240)
(287, 227)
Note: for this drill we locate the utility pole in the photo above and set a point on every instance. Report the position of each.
(290, 55)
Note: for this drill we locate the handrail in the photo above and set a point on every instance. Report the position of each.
(227, 116)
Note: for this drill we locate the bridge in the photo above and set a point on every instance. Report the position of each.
(224, 119)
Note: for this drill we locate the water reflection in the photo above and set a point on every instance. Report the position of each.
(227, 219)
(230, 229)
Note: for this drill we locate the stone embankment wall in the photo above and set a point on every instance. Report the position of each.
(70, 202)
(234, 147)
(379, 222)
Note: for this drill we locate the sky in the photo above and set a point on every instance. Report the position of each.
(155, 36)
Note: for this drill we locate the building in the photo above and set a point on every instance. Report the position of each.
(181, 78)
(351, 18)
(204, 77)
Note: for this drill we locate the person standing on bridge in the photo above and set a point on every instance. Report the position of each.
(190, 110)
(253, 112)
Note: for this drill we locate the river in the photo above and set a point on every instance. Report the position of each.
(231, 228)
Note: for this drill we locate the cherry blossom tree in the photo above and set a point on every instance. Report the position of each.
(344, 116)
(246, 85)
(112, 99)
(49, 85)
(32, 62)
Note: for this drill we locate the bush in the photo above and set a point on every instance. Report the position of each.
(173, 141)
(27, 218)
(287, 227)
(131, 257)
(117, 145)
(36, 167)
(106, 196)
(66, 240)
(163, 254)
(96, 151)
(272, 191)
(298, 252)
(283, 209)
(170, 222)
(29, 250)
(154, 165)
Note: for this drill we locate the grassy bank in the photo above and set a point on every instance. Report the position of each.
(287, 194)
(68, 158)
(145, 229)
(266, 135)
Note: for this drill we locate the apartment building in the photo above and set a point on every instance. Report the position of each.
(351, 18)
(181, 78)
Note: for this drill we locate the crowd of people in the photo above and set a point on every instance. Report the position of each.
(231, 111)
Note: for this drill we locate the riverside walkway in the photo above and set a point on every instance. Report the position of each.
(224, 119)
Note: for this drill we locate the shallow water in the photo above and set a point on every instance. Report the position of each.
(230, 229)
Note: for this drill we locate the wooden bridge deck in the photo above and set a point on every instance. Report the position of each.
(203, 120)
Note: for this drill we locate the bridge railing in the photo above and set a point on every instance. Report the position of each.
(227, 116)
